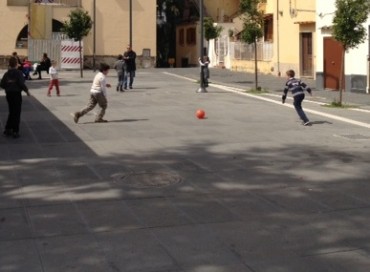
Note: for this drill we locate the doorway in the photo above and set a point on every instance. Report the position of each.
(333, 51)
(306, 55)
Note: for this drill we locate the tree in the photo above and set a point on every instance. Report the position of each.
(169, 14)
(252, 28)
(211, 31)
(348, 29)
(78, 26)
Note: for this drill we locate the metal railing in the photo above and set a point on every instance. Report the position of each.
(67, 3)
(244, 51)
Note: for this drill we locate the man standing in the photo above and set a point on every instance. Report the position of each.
(130, 59)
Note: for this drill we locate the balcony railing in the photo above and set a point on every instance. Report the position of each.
(66, 3)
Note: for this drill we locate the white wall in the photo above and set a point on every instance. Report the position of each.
(355, 59)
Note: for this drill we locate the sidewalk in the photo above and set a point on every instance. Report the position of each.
(247, 189)
(270, 83)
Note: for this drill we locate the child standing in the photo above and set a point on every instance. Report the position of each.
(297, 88)
(13, 83)
(98, 95)
(204, 66)
(119, 65)
(54, 80)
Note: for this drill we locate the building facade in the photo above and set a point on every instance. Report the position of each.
(188, 33)
(329, 55)
(112, 31)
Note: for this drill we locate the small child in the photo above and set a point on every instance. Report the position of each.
(98, 95)
(297, 88)
(119, 65)
(54, 81)
(27, 68)
(204, 66)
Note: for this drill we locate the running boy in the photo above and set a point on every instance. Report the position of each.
(297, 88)
(98, 95)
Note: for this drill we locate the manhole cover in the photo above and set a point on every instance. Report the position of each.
(147, 179)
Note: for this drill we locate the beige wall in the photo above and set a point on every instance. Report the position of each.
(12, 20)
(221, 9)
(112, 26)
(190, 52)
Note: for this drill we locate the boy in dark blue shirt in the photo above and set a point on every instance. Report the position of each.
(297, 88)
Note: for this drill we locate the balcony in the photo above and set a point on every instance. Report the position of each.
(64, 3)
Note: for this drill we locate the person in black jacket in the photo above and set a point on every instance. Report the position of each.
(130, 60)
(13, 83)
(44, 65)
(297, 88)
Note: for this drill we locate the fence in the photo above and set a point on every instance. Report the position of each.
(65, 52)
(244, 51)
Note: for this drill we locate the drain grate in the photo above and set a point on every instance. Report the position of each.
(148, 179)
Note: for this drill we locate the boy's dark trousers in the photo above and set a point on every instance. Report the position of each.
(298, 107)
(14, 100)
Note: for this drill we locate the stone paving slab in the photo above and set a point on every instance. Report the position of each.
(158, 190)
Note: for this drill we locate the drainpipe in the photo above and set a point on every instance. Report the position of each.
(277, 37)
(94, 34)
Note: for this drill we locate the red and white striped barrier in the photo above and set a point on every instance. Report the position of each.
(70, 55)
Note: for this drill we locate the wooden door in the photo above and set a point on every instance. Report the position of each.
(333, 51)
(306, 54)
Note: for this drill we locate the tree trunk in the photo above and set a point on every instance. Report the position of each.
(255, 66)
(81, 64)
(341, 79)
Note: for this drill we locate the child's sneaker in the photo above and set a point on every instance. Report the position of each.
(76, 116)
(308, 123)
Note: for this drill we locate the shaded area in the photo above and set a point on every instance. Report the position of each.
(285, 207)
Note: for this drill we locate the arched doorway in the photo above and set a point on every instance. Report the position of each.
(22, 38)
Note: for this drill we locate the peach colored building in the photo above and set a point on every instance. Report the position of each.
(288, 42)
(42, 19)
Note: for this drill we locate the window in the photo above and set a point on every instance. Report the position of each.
(191, 36)
(268, 29)
(181, 37)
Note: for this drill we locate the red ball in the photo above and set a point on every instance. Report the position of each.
(200, 114)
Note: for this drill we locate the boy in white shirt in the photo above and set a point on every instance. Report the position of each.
(54, 80)
(98, 95)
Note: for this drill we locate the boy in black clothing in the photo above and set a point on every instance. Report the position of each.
(297, 88)
(13, 83)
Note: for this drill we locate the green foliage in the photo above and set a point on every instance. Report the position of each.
(249, 6)
(339, 104)
(78, 26)
(210, 30)
(253, 21)
(170, 14)
(251, 32)
(348, 22)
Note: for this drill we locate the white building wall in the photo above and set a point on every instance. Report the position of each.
(356, 60)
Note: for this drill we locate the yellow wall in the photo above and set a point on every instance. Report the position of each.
(290, 19)
(112, 26)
